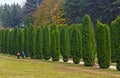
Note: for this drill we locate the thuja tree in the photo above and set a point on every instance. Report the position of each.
(11, 43)
(103, 45)
(26, 41)
(76, 44)
(88, 41)
(0, 41)
(3, 41)
(15, 41)
(64, 43)
(55, 43)
(115, 38)
(39, 43)
(21, 40)
(46, 43)
(6, 46)
(32, 41)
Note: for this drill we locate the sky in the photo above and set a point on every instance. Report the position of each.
(21, 2)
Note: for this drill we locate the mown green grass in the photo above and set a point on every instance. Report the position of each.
(10, 67)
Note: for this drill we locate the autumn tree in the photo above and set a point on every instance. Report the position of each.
(55, 15)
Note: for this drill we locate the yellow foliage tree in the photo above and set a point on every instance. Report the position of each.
(49, 12)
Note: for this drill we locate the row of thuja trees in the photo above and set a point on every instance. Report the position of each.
(78, 41)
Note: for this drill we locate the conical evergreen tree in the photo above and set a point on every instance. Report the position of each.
(0, 41)
(11, 42)
(21, 40)
(15, 41)
(103, 45)
(39, 43)
(64, 43)
(46, 43)
(7, 33)
(115, 38)
(88, 41)
(3, 41)
(26, 41)
(32, 41)
(55, 40)
(76, 49)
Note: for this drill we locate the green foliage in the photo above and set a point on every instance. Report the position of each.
(28, 20)
(3, 41)
(88, 41)
(103, 45)
(6, 46)
(15, 41)
(55, 44)
(26, 42)
(30, 6)
(0, 41)
(11, 42)
(46, 43)
(64, 43)
(32, 41)
(39, 43)
(118, 66)
(115, 39)
(11, 15)
(97, 9)
(21, 40)
(76, 45)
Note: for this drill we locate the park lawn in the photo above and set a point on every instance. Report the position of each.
(10, 67)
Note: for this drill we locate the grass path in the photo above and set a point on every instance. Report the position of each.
(10, 67)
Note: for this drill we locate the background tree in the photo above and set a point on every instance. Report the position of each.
(55, 15)
(11, 15)
(88, 41)
(97, 9)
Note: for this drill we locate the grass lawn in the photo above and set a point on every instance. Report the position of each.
(10, 67)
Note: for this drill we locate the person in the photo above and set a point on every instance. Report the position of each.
(23, 54)
(18, 55)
